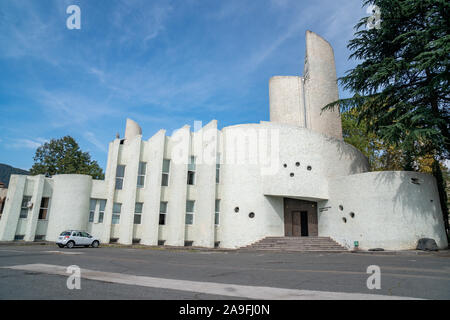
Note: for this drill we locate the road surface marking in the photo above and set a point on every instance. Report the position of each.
(63, 252)
(221, 289)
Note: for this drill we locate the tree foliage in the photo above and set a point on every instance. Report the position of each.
(401, 85)
(64, 156)
(382, 156)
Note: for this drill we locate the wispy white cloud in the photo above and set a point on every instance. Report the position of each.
(26, 143)
(138, 25)
(161, 62)
(92, 138)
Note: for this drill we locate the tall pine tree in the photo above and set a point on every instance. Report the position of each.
(401, 84)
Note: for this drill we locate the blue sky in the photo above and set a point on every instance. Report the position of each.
(162, 63)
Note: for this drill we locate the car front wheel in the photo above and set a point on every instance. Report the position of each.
(95, 244)
(70, 244)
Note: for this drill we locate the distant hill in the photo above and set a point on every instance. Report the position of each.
(6, 171)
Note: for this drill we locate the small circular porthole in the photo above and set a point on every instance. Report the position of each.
(309, 168)
(341, 207)
(344, 219)
(236, 209)
(285, 165)
(297, 164)
(352, 214)
(292, 174)
(251, 215)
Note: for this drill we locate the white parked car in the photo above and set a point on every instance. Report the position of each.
(73, 238)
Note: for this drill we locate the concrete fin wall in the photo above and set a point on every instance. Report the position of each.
(33, 214)
(205, 151)
(175, 222)
(11, 212)
(152, 192)
(130, 158)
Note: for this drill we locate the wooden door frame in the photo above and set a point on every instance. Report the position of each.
(295, 205)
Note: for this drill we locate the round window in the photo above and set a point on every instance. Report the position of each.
(309, 168)
(341, 207)
(344, 219)
(236, 209)
(297, 164)
(292, 174)
(251, 215)
(352, 214)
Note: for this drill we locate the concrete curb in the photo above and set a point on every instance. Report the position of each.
(442, 253)
(23, 243)
(445, 252)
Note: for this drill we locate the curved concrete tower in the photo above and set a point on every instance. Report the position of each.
(321, 86)
(132, 130)
(287, 100)
(299, 100)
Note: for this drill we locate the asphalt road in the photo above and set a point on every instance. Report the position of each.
(216, 275)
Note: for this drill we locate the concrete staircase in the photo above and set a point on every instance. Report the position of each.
(296, 244)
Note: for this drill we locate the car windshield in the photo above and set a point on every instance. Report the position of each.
(65, 233)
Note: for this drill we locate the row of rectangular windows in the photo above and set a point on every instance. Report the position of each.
(117, 208)
(120, 173)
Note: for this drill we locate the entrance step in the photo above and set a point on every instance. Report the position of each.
(296, 244)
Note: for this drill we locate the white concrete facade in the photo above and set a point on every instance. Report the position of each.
(173, 190)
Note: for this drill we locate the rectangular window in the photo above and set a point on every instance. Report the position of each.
(101, 212)
(116, 213)
(92, 205)
(120, 174)
(43, 209)
(216, 218)
(165, 173)
(138, 212)
(162, 213)
(141, 174)
(218, 169)
(190, 212)
(24, 207)
(191, 171)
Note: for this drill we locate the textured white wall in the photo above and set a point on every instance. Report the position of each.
(390, 211)
(328, 157)
(69, 205)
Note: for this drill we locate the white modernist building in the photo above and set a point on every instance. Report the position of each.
(292, 176)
